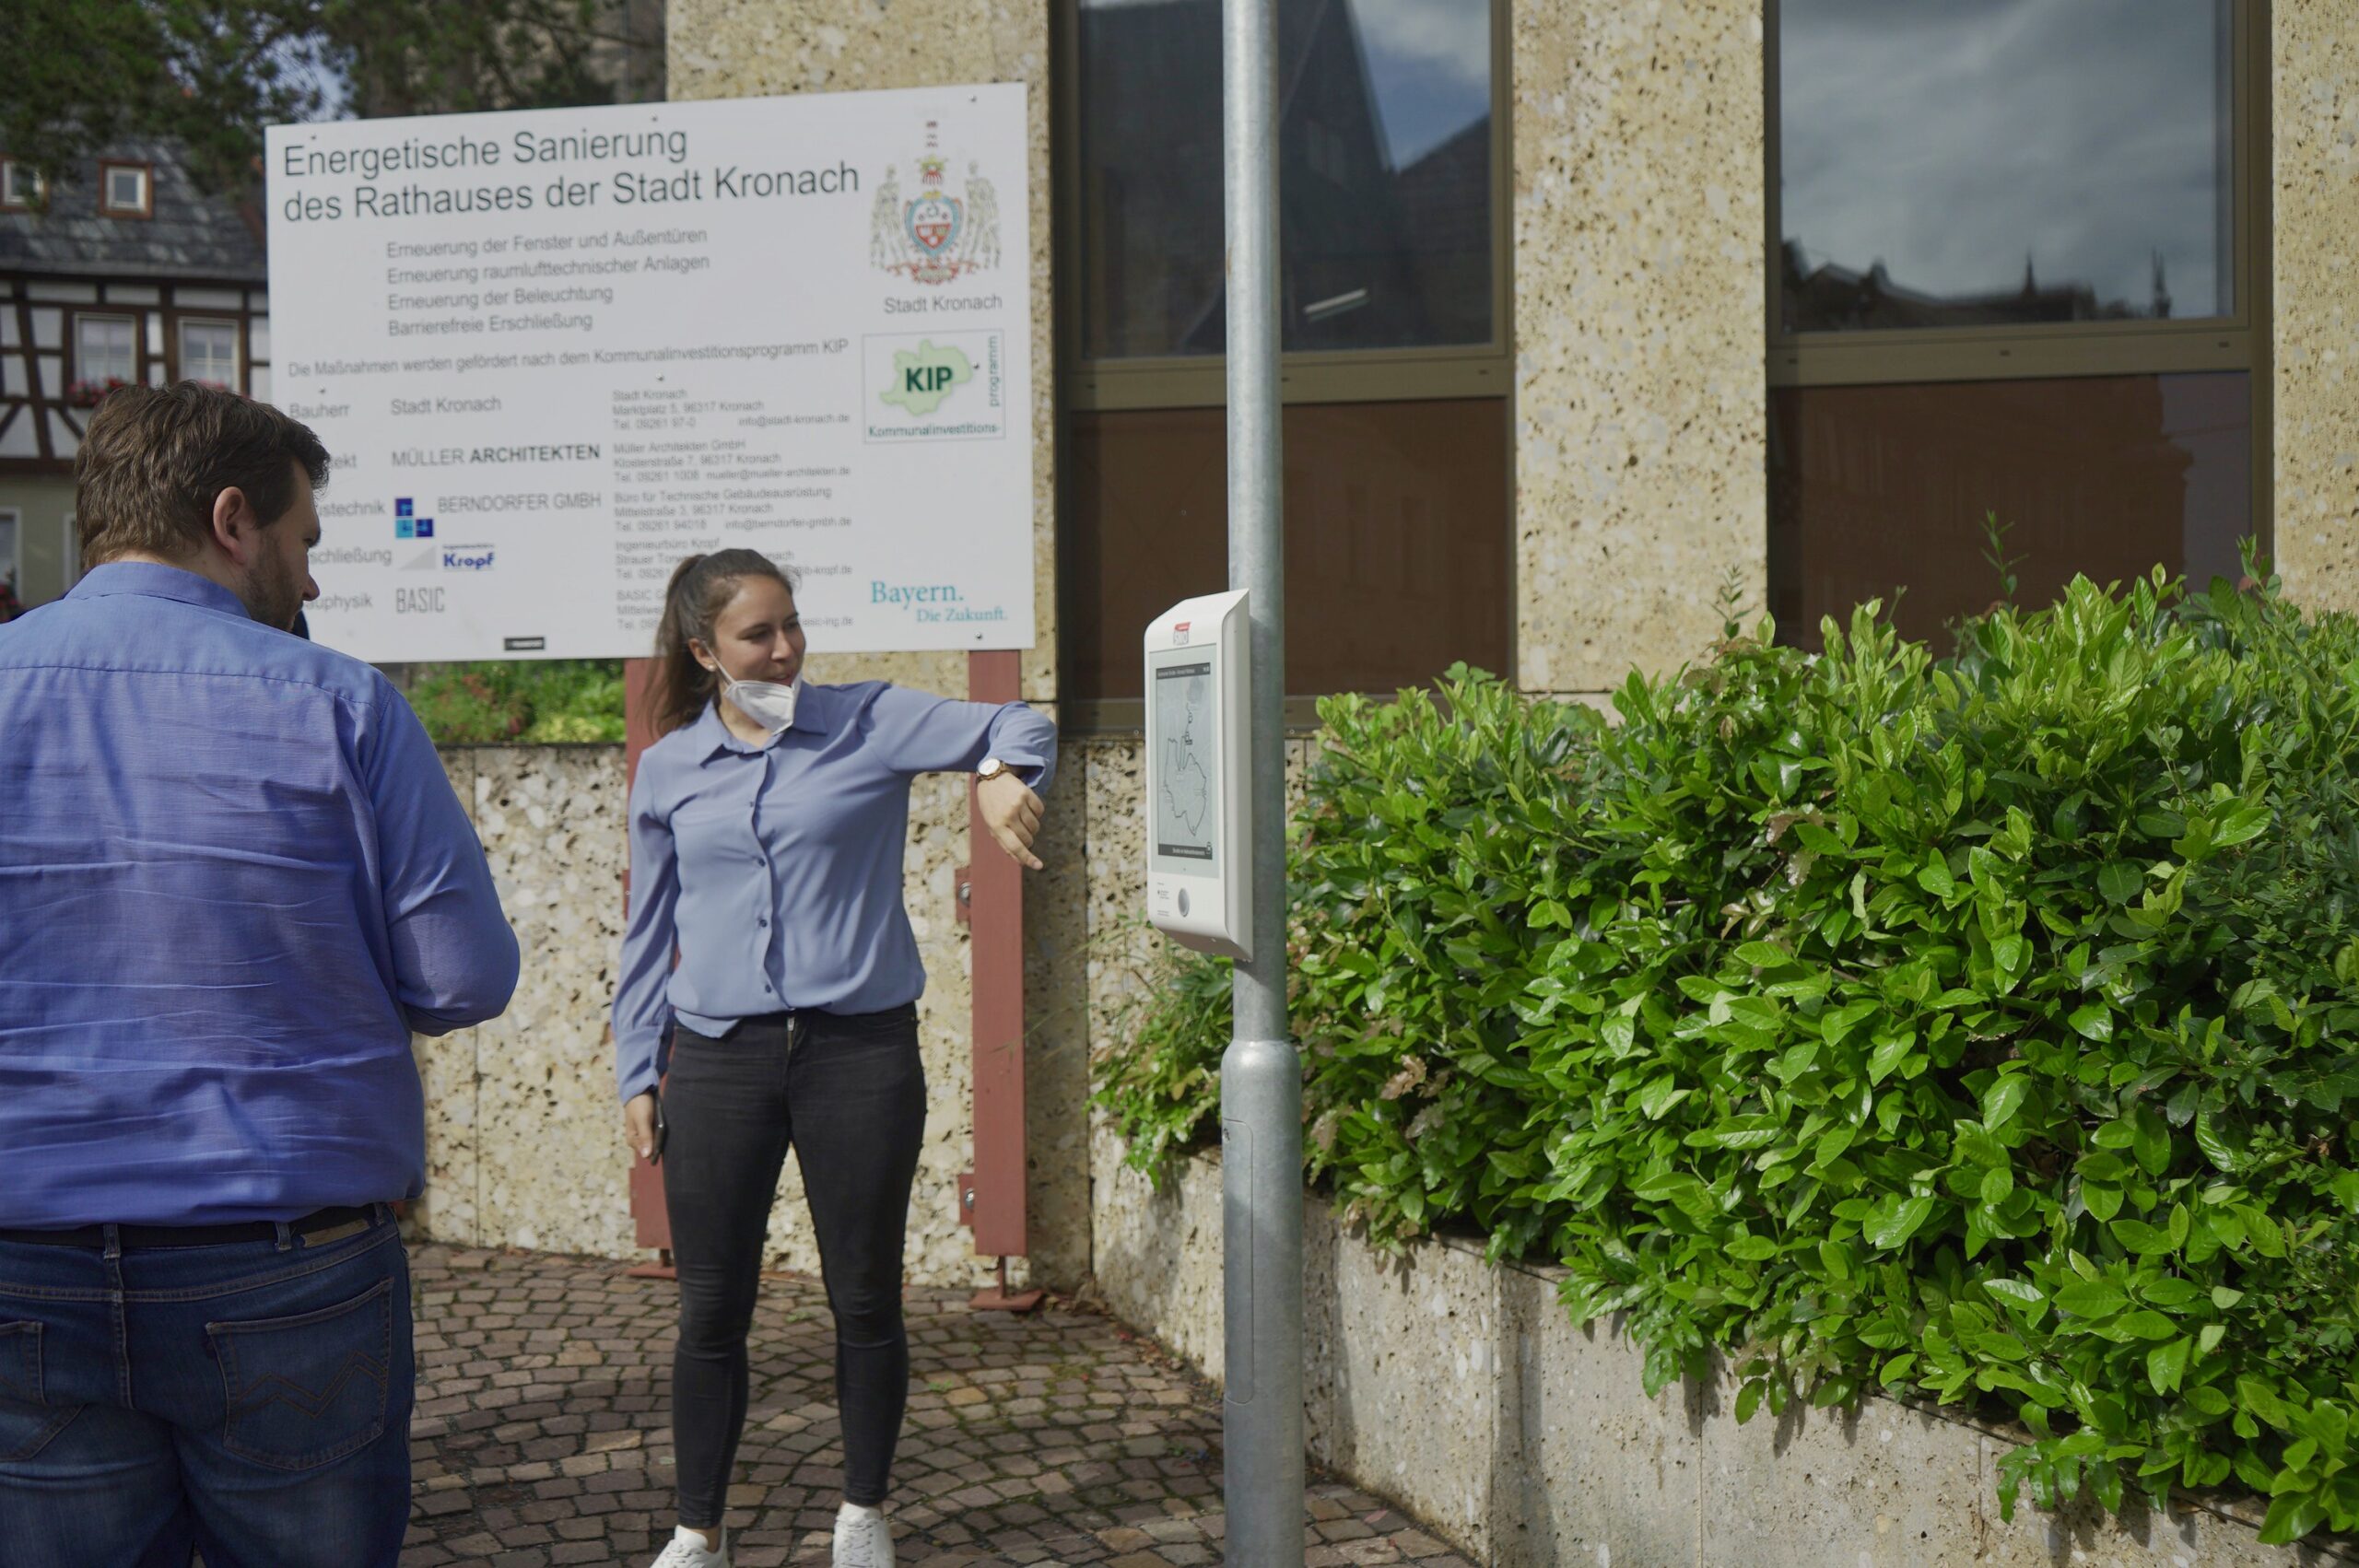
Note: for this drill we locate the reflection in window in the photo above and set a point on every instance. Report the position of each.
(1384, 175)
(104, 350)
(209, 352)
(1952, 163)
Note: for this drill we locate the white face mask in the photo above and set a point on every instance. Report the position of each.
(769, 704)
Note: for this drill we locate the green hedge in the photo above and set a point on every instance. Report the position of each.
(1979, 1029)
(513, 701)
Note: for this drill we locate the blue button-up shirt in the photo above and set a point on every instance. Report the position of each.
(233, 879)
(776, 870)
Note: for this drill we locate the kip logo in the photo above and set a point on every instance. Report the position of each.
(924, 376)
(467, 557)
(407, 524)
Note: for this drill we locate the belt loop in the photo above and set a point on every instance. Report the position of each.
(113, 1236)
(286, 1235)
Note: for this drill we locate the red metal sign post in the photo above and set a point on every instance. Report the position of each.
(992, 1199)
(647, 1210)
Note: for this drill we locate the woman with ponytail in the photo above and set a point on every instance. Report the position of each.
(767, 826)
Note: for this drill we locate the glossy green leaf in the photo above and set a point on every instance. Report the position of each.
(1895, 1225)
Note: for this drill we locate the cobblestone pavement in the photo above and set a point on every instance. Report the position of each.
(543, 1433)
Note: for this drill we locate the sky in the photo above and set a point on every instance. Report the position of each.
(1950, 137)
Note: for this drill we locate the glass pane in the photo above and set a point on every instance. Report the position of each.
(124, 189)
(1878, 491)
(1384, 175)
(209, 352)
(1954, 163)
(1397, 539)
(102, 349)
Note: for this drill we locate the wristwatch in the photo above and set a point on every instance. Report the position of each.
(993, 768)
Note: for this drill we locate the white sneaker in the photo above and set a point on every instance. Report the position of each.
(862, 1538)
(687, 1551)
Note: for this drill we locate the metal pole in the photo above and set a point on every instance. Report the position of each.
(1261, 1079)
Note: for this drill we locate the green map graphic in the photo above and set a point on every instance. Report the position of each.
(924, 376)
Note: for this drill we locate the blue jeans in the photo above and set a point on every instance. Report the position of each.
(251, 1400)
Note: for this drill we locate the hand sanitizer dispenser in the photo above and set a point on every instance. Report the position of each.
(1200, 830)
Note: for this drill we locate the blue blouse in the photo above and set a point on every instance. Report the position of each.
(776, 870)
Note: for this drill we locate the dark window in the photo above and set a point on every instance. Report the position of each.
(1392, 260)
(1384, 166)
(1883, 492)
(1396, 543)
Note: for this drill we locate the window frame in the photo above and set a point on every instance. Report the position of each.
(1324, 376)
(135, 317)
(11, 170)
(108, 205)
(2237, 344)
(2030, 351)
(178, 342)
(12, 564)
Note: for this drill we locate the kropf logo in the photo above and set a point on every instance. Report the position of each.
(935, 236)
(467, 557)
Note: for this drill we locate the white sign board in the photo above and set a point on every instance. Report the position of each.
(551, 352)
(1199, 835)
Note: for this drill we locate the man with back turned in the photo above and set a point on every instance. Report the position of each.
(233, 882)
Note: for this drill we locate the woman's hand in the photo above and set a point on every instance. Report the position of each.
(1012, 814)
(639, 1116)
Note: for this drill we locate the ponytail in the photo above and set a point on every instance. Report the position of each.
(701, 587)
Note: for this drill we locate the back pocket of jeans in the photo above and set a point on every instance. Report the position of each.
(25, 1424)
(310, 1389)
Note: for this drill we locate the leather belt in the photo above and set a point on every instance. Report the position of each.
(315, 1229)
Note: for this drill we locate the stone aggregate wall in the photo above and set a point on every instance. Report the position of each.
(2314, 152)
(1642, 416)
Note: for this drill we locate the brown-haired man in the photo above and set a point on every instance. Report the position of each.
(233, 880)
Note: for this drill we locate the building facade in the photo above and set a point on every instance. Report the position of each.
(1600, 318)
(128, 274)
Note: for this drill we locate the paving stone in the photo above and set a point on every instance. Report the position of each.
(1059, 1439)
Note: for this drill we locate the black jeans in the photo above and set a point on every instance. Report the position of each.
(848, 1093)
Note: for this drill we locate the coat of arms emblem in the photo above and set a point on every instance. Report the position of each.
(935, 236)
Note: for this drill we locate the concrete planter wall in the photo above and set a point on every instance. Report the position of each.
(1464, 1392)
